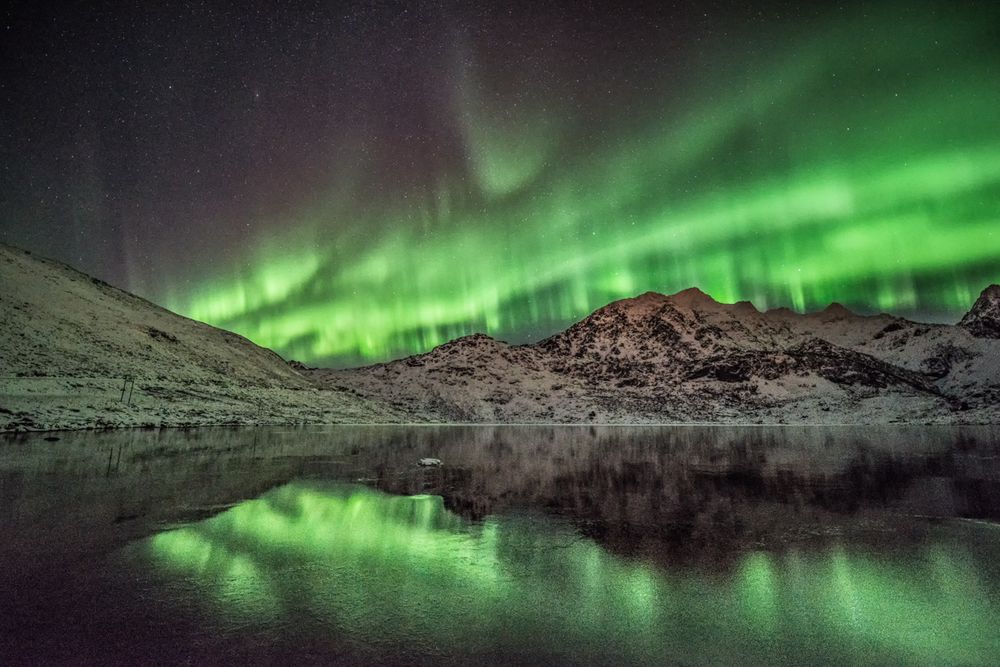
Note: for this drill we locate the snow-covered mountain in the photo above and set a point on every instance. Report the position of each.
(68, 342)
(688, 358)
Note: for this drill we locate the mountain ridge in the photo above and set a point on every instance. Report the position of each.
(70, 343)
(657, 358)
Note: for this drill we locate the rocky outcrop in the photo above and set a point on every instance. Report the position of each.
(983, 320)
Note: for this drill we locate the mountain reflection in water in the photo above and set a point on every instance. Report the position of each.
(408, 576)
(655, 545)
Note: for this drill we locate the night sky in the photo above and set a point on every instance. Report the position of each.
(350, 184)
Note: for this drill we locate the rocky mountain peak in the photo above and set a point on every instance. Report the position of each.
(476, 340)
(983, 319)
(836, 310)
(644, 302)
(648, 303)
(745, 306)
(692, 297)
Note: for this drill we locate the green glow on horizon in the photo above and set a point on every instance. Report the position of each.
(374, 569)
(843, 167)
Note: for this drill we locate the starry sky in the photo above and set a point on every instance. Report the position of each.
(348, 183)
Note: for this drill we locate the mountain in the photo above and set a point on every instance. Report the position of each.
(983, 320)
(687, 358)
(78, 353)
(68, 342)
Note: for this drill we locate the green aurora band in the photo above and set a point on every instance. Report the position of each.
(405, 575)
(857, 161)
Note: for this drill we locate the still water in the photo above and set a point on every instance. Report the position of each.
(561, 545)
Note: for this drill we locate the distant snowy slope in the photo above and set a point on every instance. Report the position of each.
(68, 341)
(686, 357)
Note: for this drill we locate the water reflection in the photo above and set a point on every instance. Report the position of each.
(686, 545)
(395, 576)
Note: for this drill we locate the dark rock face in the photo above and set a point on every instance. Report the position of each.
(946, 356)
(736, 368)
(983, 320)
(831, 362)
(848, 367)
(889, 328)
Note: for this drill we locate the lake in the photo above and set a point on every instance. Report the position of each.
(558, 545)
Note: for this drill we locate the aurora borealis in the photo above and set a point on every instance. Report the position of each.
(352, 186)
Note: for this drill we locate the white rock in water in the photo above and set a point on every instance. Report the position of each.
(429, 462)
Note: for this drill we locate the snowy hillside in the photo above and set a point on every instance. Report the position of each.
(68, 342)
(78, 353)
(688, 358)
